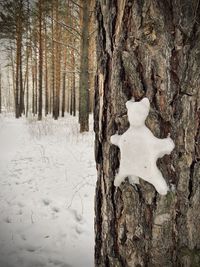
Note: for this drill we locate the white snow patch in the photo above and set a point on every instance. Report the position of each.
(47, 184)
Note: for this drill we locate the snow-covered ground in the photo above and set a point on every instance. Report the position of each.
(47, 184)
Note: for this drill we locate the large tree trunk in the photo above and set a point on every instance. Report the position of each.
(149, 48)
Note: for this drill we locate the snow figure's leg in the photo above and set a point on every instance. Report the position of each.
(133, 179)
(164, 146)
(114, 139)
(119, 178)
(159, 182)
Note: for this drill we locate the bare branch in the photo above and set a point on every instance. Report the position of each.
(69, 46)
(76, 4)
(92, 33)
(76, 32)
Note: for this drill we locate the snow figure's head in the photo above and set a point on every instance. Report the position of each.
(138, 111)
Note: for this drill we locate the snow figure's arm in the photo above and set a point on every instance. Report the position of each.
(114, 139)
(164, 146)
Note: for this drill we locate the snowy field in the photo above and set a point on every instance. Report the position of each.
(47, 184)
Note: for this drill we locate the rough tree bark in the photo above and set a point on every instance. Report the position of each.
(148, 48)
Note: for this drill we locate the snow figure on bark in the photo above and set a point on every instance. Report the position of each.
(140, 149)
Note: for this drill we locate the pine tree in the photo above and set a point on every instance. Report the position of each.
(148, 48)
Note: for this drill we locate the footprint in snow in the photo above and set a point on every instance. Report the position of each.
(20, 212)
(7, 220)
(46, 201)
(55, 209)
(79, 230)
(59, 263)
(21, 205)
(31, 248)
(77, 216)
(23, 237)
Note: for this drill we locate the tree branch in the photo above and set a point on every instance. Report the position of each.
(69, 46)
(92, 33)
(76, 4)
(78, 34)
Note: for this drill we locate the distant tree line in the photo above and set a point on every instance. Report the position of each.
(51, 53)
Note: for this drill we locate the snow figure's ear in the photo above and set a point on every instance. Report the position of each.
(130, 102)
(146, 102)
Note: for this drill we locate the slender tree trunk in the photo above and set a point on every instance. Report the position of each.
(21, 92)
(63, 93)
(68, 95)
(18, 87)
(27, 94)
(73, 84)
(46, 75)
(64, 84)
(26, 78)
(40, 63)
(36, 82)
(71, 95)
(148, 48)
(53, 64)
(74, 94)
(33, 82)
(57, 63)
(13, 74)
(84, 75)
(26, 81)
(92, 56)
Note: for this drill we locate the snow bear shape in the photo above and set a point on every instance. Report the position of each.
(140, 149)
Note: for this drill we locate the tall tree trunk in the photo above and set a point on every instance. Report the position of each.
(18, 80)
(63, 93)
(92, 56)
(52, 104)
(36, 82)
(68, 94)
(40, 63)
(71, 95)
(21, 92)
(46, 74)
(26, 80)
(73, 84)
(57, 62)
(33, 81)
(13, 74)
(148, 48)
(84, 75)
(27, 93)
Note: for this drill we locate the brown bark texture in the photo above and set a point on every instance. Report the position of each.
(148, 48)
